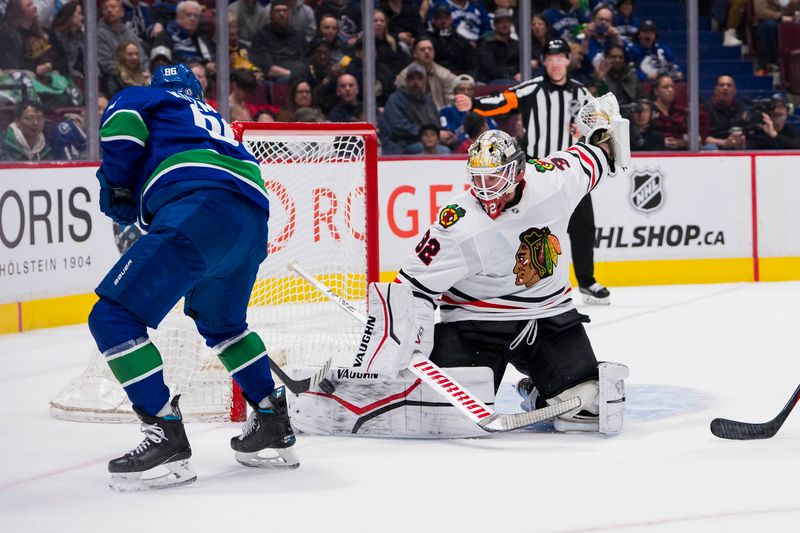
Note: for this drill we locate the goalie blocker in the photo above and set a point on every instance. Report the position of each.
(378, 397)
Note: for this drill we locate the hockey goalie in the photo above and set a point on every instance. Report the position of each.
(493, 266)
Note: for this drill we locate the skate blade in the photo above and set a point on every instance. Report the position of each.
(285, 458)
(163, 476)
(591, 300)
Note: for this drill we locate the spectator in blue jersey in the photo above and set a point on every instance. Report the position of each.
(470, 18)
(183, 36)
(406, 111)
(599, 34)
(650, 57)
(24, 139)
(452, 119)
(68, 139)
(170, 162)
(565, 17)
(625, 21)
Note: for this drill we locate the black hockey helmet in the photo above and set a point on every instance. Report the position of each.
(555, 46)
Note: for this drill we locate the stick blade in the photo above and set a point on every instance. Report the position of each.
(733, 430)
(507, 422)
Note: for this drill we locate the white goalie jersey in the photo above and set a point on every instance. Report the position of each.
(474, 267)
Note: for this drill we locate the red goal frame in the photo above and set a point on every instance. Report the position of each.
(372, 223)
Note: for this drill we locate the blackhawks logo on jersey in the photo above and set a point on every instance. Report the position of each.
(450, 215)
(536, 257)
(542, 165)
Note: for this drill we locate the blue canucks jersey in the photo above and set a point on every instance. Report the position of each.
(161, 144)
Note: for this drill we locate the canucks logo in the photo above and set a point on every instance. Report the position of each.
(536, 257)
(450, 215)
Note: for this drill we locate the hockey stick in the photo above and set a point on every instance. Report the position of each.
(299, 386)
(731, 429)
(450, 389)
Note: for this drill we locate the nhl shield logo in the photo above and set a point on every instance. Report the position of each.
(647, 190)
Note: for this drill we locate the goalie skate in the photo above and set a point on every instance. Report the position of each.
(162, 459)
(267, 437)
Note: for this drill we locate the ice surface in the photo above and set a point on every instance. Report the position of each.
(694, 352)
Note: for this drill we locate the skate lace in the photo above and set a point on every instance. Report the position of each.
(249, 426)
(153, 434)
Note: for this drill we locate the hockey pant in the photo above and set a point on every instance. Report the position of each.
(559, 357)
(205, 246)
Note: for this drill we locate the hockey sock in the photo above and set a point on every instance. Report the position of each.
(245, 358)
(265, 403)
(138, 367)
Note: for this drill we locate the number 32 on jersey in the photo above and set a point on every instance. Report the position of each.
(427, 248)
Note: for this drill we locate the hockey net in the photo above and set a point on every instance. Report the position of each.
(321, 179)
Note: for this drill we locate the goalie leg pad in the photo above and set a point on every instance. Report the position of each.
(612, 397)
(369, 404)
(391, 335)
(584, 418)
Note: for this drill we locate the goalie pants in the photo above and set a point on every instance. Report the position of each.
(581, 232)
(560, 357)
(205, 246)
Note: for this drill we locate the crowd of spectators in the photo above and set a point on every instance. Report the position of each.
(302, 61)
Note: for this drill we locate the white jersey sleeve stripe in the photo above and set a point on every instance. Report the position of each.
(416, 283)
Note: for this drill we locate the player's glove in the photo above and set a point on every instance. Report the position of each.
(116, 203)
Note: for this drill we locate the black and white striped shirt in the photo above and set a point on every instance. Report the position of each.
(547, 112)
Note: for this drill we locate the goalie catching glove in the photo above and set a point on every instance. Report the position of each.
(394, 330)
(599, 121)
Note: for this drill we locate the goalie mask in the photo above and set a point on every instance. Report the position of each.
(496, 165)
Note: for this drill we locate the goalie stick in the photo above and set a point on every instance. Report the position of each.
(731, 429)
(299, 386)
(447, 387)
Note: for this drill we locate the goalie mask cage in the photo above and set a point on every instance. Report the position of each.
(322, 185)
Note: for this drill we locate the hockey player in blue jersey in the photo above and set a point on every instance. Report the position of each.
(172, 162)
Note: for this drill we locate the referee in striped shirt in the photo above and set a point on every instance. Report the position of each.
(548, 105)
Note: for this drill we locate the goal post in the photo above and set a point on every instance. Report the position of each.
(321, 180)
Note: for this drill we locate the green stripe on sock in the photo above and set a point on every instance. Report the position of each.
(135, 364)
(243, 351)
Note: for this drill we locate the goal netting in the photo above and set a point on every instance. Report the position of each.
(321, 180)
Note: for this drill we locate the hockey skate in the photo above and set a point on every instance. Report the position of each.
(529, 394)
(595, 294)
(267, 438)
(160, 461)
